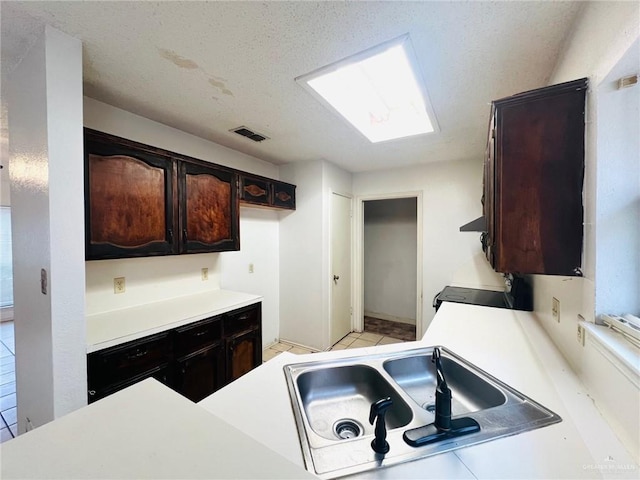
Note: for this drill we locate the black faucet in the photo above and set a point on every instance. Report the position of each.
(443, 426)
(378, 410)
(443, 395)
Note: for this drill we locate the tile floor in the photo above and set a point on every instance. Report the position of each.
(376, 332)
(8, 411)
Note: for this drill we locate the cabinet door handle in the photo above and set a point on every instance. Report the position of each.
(92, 393)
(171, 235)
(184, 235)
(138, 354)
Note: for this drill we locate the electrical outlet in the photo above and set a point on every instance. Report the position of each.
(555, 309)
(205, 274)
(118, 285)
(251, 268)
(581, 335)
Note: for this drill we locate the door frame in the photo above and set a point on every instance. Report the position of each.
(357, 317)
(329, 277)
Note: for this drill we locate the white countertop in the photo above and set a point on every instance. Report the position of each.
(144, 431)
(247, 429)
(119, 326)
(508, 344)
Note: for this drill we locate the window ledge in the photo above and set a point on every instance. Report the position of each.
(614, 347)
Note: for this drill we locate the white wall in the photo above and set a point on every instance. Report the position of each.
(259, 242)
(390, 259)
(301, 241)
(618, 191)
(45, 119)
(451, 198)
(304, 252)
(154, 278)
(602, 36)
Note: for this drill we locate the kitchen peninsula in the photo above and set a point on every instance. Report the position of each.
(247, 429)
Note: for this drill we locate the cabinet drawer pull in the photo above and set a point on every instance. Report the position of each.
(199, 334)
(138, 354)
(244, 317)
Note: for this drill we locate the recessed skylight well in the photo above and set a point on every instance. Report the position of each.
(378, 91)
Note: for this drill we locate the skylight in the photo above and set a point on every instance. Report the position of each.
(377, 91)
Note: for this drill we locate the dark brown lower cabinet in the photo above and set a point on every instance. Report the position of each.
(195, 359)
(243, 354)
(201, 373)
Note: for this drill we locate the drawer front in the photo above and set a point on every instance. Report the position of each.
(161, 373)
(255, 190)
(128, 360)
(195, 336)
(242, 320)
(284, 195)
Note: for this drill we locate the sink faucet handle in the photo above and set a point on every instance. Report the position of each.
(378, 411)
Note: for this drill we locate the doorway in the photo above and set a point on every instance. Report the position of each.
(388, 284)
(340, 324)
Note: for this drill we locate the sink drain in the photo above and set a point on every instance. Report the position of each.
(429, 407)
(345, 429)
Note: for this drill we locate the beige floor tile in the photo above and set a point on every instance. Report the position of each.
(361, 343)
(281, 347)
(339, 346)
(300, 351)
(389, 341)
(371, 337)
(353, 335)
(269, 353)
(346, 341)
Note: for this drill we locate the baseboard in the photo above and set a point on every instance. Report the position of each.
(294, 344)
(6, 314)
(391, 318)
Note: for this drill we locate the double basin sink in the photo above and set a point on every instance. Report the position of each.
(332, 400)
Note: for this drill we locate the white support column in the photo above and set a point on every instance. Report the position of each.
(47, 197)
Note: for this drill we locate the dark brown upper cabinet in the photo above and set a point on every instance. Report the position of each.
(142, 201)
(266, 192)
(129, 199)
(534, 171)
(284, 195)
(256, 190)
(208, 208)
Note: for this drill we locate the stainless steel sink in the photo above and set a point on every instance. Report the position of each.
(336, 401)
(331, 401)
(416, 375)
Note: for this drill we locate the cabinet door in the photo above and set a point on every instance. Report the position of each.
(539, 176)
(128, 200)
(201, 373)
(255, 190)
(208, 209)
(244, 353)
(284, 195)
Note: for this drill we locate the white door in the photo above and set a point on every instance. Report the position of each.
(340, 267)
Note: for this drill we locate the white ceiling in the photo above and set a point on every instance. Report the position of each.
(207, 67)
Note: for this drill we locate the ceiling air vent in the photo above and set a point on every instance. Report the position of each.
(245, 132)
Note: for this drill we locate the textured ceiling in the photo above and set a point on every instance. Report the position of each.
(207, 67)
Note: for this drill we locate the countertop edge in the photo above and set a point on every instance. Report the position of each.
(108, 329)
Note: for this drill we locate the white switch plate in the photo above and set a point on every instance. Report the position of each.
(205, 274)
(251, 268)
